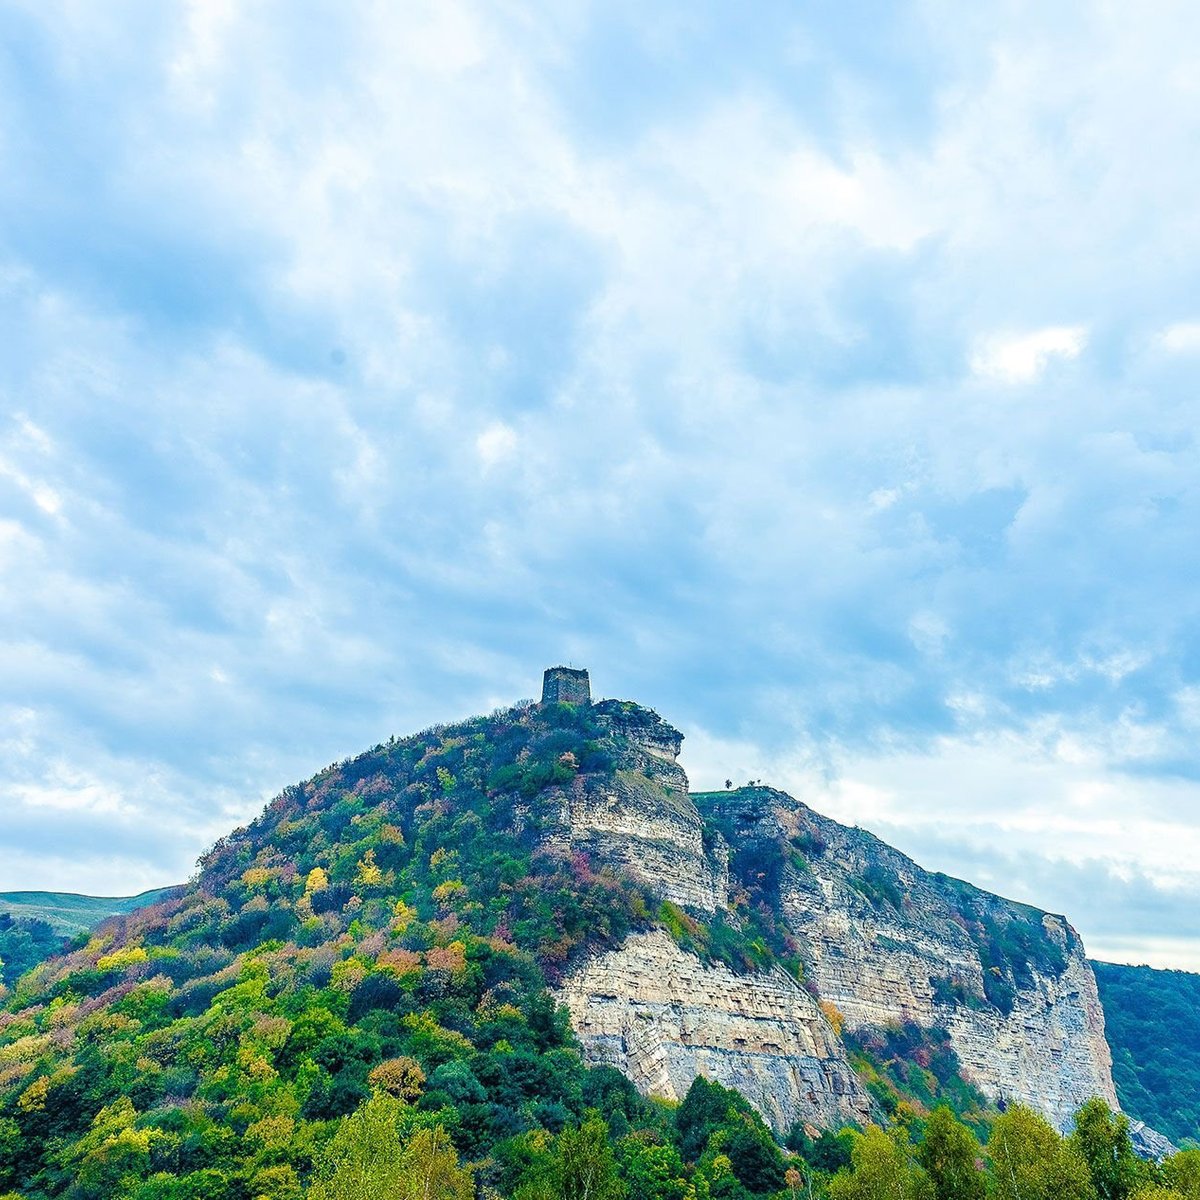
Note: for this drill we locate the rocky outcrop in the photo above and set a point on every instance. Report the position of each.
(881, 939)
(886, 941)
(638, 817)
(662, 1017)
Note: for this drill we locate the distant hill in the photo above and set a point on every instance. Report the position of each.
(34, 926)
(1152, 1019)
(69, 913)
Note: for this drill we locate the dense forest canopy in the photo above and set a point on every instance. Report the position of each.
(1152, 1020)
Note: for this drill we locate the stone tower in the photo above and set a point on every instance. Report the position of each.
(566, 685)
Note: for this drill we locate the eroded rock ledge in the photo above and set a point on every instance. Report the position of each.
(662, 1016)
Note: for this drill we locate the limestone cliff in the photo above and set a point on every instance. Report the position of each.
(638, 817)
(662, 1017)
(878, 937)
(885, 940)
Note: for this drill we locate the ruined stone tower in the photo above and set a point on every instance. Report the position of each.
(566, 685)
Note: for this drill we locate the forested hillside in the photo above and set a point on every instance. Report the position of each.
(69, 913)
(36, 925)
(1153, 1025)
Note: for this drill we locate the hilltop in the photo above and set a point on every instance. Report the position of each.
(483, 920)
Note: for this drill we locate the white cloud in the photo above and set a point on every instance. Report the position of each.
(287, 299)
(1183, 337)
(1022, 358)
(495, 444)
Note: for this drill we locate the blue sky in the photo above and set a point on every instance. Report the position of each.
(823, 376)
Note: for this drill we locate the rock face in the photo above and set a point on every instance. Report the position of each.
(880, 938)
(662, 1017)
(638, 818)
(885, 940)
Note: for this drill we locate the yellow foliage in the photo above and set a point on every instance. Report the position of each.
(254, 1065)
(33, 1098)
(24, 1049)
(130, 1139)
(448, 891)
(126, 956)
(834, 1016)
(317, 881)
(347, 975)
(400, 1077)
(368, 874)
(272, 1131)
(404, 915)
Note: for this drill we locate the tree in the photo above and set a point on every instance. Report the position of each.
(950, 1155)
(580, 1167)
(881, 1169)
(430, 1171)
(1181, 1172)
(360, 1161)
(400, 1077)
(652, 1171)
(1102, 1137)
(1030, 1161)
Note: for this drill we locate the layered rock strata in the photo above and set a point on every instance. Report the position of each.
(881, 939)
(662, 1017)
(885, 941)
(638, 818)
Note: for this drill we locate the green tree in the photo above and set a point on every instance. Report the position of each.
(360, 1161)
(580, 1167)
(1030, 1161)
(881, 1168)
(430, 1170)
(951, 1155)
(1102, 1137)
(651, 1171)
(1182, 1173)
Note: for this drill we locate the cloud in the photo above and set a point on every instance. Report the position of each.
(1021, 359)
(1181, 337)
(825, 389)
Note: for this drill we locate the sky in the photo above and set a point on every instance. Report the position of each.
(822, 376)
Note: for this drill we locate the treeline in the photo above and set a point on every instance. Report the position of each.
(24, 942)
(714, 1146)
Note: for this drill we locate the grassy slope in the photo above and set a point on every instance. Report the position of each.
(69, 913)
(1153, 1023)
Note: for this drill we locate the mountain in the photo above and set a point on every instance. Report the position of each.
(878, 940)
(1153, 1025)
(420, 922)
(35, 925)
(69, 913)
